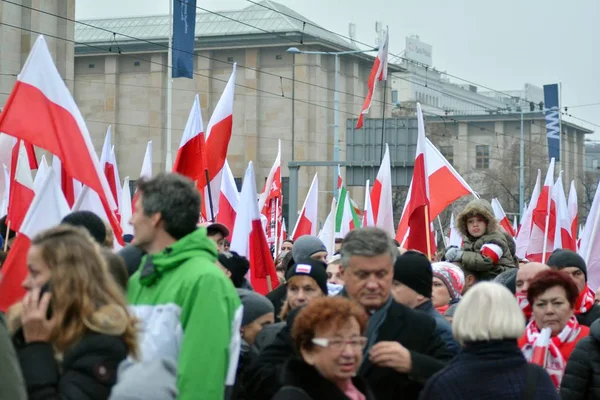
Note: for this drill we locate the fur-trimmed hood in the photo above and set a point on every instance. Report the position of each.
(477, 207)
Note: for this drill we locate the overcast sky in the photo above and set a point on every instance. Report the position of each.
(499, 44)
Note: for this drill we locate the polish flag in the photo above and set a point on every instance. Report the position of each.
(540, 348)
(419, 219)
(515, 226)
(70, 187)
(589, 248)
(270, 201)
(445, 187)
(307, 222)
(367, 217)
(229, 200)
(283, 235)
(21, 190)
(381, 196)
(6, 193)
(146, 171)
(125, 208)
(541, 240)
(572, 207)
(218, 135)
(456, 238)
(579, 235)
(378, 73)
(249, 238)
(48, 208)
(501, 217)
(191, 156)
(524, 233)
(109, 163)
(327, 234)
(562, 234)
(41, 173)
(58, 125)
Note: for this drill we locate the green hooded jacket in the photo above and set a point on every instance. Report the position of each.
(190, 312)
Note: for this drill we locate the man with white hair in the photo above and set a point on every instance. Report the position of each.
(525, 275)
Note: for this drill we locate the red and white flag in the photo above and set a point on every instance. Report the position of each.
(455, 238)
(21, 189)
(218, 135)
(191, 156)
(283, 235)
(522, 239)
(367, 217)
(270, 201)
(41, 173)
(58, 126)
(307, 223)
(445, 187)
(515, 226)
(71, 187)
(108, 162)
(327, 233)
(47, 209)
(541, 240)
(540, 347)
(502, 218)
(381, 196)
(572, 207)
(125, 208)
(562, 232)
(249, 238)
(229, 200)
(378, 73)
(589, 248)
(146, 171)
(6, 193)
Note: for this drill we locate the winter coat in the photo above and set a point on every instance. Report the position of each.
(12, 385)
(472, 259)
(267, 335)
(88, 369)
(582, 374)
(442, 326)
(303, 382)
(190, 312)
(494, 370)
(429, 354)
(247, 354)
(589, 317)
(277, 297)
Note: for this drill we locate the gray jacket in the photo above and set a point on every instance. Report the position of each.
(12, 385)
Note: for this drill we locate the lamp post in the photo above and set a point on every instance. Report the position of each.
(336, 100)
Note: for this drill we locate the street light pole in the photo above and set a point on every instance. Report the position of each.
(522, 170)
(336, 123)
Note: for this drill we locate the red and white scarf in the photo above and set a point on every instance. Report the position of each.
(555, 362)
(585, 300)
(524, 304)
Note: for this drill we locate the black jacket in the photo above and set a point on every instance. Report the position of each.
(302, 382)
(88, 370)
(582, 375)
(442, 326)
(589, 317)
(277, 297)
(429, 354)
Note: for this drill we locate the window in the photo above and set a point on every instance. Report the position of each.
(448, 153)
(482, 156)
(229, 59)
(278, 57)
(394, 96)
(91, 65)
(136, 63)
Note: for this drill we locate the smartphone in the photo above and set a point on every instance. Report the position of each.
(47, 289)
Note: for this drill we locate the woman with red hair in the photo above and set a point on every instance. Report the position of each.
(553, 295)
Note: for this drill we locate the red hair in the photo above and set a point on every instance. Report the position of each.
(548, 279)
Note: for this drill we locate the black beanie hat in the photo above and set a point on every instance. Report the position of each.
(90, 221)
(563, 258)
(314, 268)
(237, 265)
(413, 269)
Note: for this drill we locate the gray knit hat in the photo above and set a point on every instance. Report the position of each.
(147, 380)
(255, 305)
(306, 246)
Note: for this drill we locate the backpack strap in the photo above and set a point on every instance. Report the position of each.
(531, 377)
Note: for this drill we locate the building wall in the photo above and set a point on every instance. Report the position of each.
(130, 94)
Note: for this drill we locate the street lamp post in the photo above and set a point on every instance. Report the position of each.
(336, 101)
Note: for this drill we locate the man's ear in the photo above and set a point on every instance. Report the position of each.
(156, 218)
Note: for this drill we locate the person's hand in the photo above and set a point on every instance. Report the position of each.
(391, 355)
(36, 327)
(454, 254)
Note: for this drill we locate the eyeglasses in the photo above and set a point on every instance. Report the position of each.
(337, 344)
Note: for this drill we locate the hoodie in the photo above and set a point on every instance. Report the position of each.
(190, 312)
(473, 258)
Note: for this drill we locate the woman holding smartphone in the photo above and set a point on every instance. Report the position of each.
(72, 327)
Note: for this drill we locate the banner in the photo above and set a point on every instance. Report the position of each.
(184, 26)
(552, 111)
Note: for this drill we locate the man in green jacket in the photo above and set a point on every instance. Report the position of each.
(189, 310)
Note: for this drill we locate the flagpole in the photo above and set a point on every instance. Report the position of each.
(383, 120)
(210, 200)
(546, 236)
(428, 232)
(168, 160)
(560, 160)
(6, 237)
(276, 230)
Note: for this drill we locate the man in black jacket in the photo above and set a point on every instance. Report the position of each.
(403, 348)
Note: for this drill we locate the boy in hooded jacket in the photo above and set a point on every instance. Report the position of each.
(485, 248)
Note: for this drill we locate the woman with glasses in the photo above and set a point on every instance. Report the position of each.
(329, 336)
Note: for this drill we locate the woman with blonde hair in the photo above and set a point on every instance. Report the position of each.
(73, 325)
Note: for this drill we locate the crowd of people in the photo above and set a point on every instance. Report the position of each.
(173, 315)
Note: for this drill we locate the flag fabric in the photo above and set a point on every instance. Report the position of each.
(562, 232)
(47, 209)
(515, 226)
(21, 190)
(455, 238)
(552, 112)
(184, 27)
(6, 193)
(589, 248)
(378, 73)
(327, 234)
(502, 218)
(367, 217)
(249, 238)
(307, 221)
(572, 207)
(445, 187)
(41, 173)
(191, 156)
(541, 240)
(71, 187)
(270, 201)
(125, 208)
(419, 219)
(346, 219)
(381, 196)
(58, 126)
(146, 171)
(108, 162)
(229, 200)
(522, 239)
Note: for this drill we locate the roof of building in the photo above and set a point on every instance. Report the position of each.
(264, 17)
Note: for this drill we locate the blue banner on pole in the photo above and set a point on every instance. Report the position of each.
(184, 26)
(552, 111)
